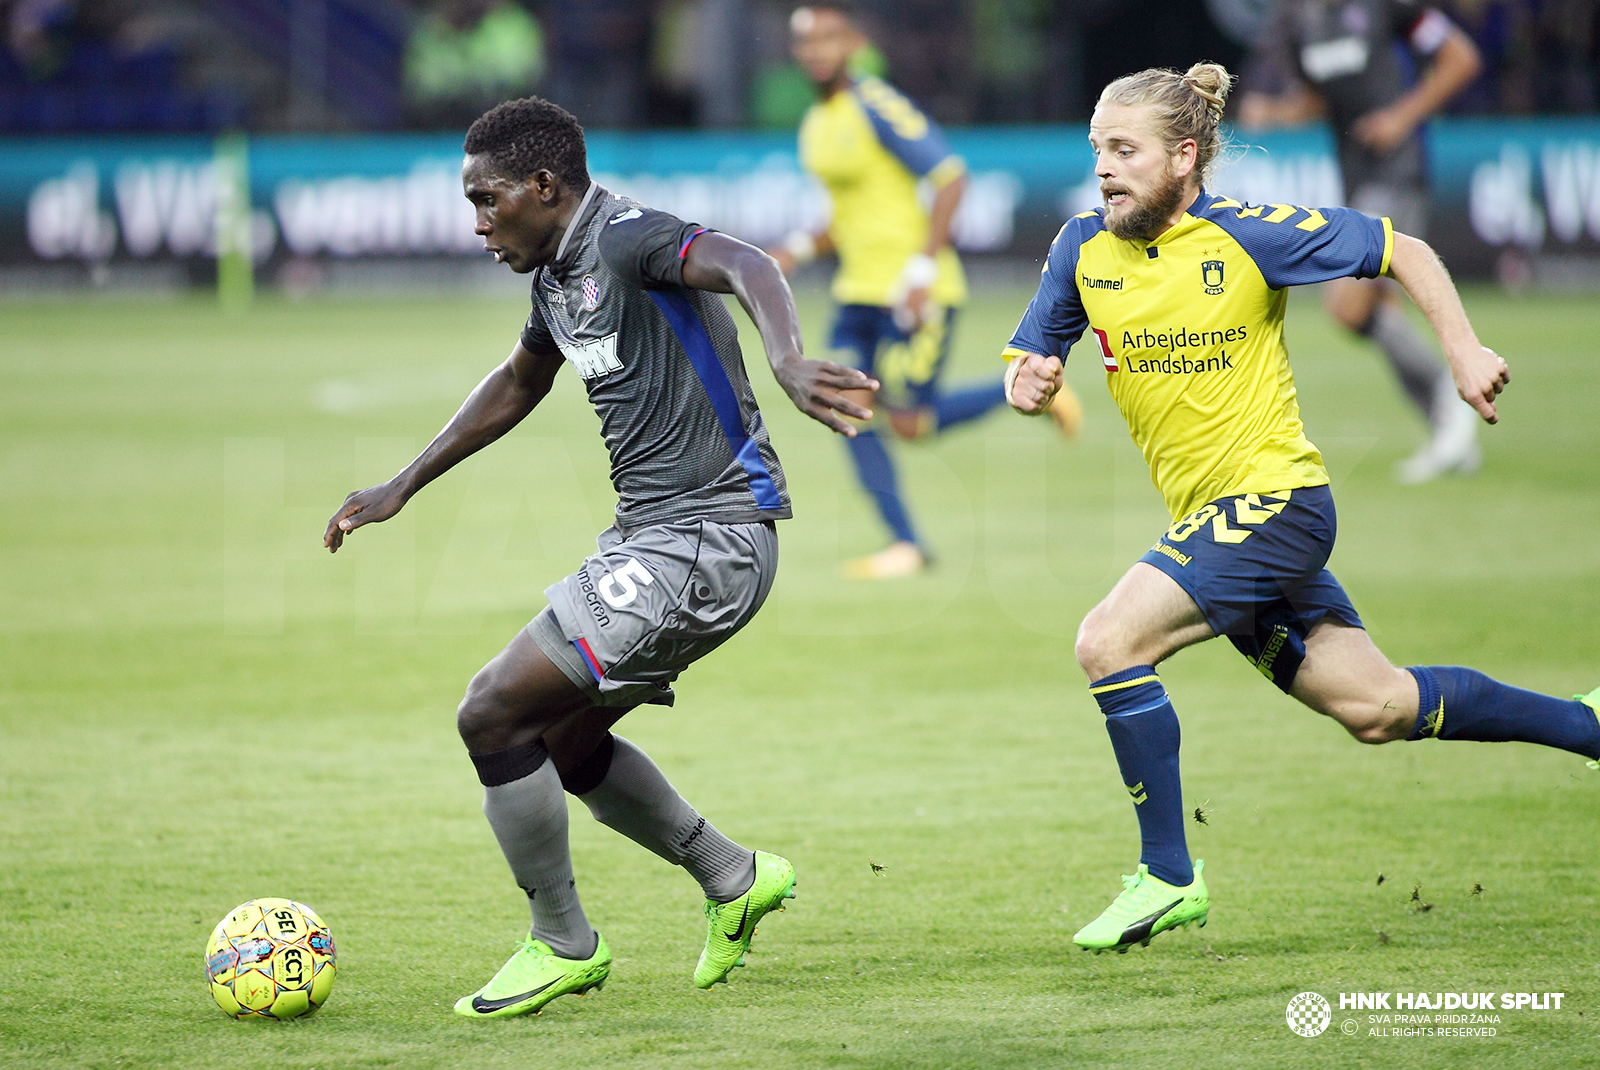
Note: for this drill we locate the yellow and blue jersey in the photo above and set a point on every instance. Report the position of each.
(1190, 329)
(869, 146)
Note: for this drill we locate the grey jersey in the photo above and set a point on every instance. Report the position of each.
(661, 365)
(1348, 51)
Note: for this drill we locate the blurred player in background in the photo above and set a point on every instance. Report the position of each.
(1344, 59)
(626, 295)
(900, 283)
(1185, 292)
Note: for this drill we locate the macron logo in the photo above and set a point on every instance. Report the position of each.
(631, 213)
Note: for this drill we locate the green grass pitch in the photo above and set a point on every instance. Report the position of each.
(199, 706)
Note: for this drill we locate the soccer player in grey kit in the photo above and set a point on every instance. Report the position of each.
(1342, 58)
(627, 296)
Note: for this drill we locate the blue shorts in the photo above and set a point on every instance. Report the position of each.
(908, 365)
(1254, 564)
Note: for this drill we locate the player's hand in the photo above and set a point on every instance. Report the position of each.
(1480, 376)
(912, 310)
(1031, 383)
(362, 507)
(1383, 130)
(817, 389)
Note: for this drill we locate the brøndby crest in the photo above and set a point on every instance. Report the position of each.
(1211, 275)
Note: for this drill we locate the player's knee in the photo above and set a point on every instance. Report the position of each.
(1349, 318)
(1352, 305)
(913, 423)
(1096, 649)
(482, 716)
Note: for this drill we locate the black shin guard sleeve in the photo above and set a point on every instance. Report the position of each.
(503, 766)
(592, 770)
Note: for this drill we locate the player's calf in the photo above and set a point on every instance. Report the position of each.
(1385, 713)
(1374, 724)
(1346, 677)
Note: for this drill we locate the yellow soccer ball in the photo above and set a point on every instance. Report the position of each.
(270, 958)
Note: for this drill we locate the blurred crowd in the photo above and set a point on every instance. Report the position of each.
(88, 66)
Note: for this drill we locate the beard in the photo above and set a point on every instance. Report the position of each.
(1147, 216)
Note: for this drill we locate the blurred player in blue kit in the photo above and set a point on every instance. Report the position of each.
(900, 283)
(1346, 59)
(629, 297)
(1184, 293)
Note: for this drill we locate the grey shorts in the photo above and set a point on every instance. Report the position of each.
(646, 606)
(1406, 206)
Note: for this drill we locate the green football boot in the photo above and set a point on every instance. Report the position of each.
(1146, 907)
(1592, 700)
(729, 926)
(534, 976)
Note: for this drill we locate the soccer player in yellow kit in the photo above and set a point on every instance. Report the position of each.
(1185, 292)
(900, 283)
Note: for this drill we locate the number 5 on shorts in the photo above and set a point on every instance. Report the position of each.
(618, 588)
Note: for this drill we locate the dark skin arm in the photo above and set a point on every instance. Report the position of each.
(715, 262)
(945, 203)
(726, 265)
(498, 404)
(1454, 67)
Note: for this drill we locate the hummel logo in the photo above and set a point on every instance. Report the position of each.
(738, 933)
(1137, 791)
(1435, 722)
(631, 213)
(484, 1006)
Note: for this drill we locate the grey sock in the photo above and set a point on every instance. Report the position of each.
(636, 799)
(529, 818)
(1414, 360)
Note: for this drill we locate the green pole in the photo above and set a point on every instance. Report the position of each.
(236, 283)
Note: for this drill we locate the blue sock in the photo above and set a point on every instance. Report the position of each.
(1144, 733)
(959, 406)
(1462, 703)
(876, 472)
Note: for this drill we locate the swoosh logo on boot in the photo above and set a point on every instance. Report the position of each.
(739, 932)
(1140, 929)
(484, 1006)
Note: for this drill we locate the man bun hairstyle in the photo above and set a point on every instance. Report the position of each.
(523, 136)
(1183, 106)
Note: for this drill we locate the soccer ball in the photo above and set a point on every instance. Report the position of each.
(270, 958)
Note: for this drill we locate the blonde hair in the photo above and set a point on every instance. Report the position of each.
(1183, 106)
